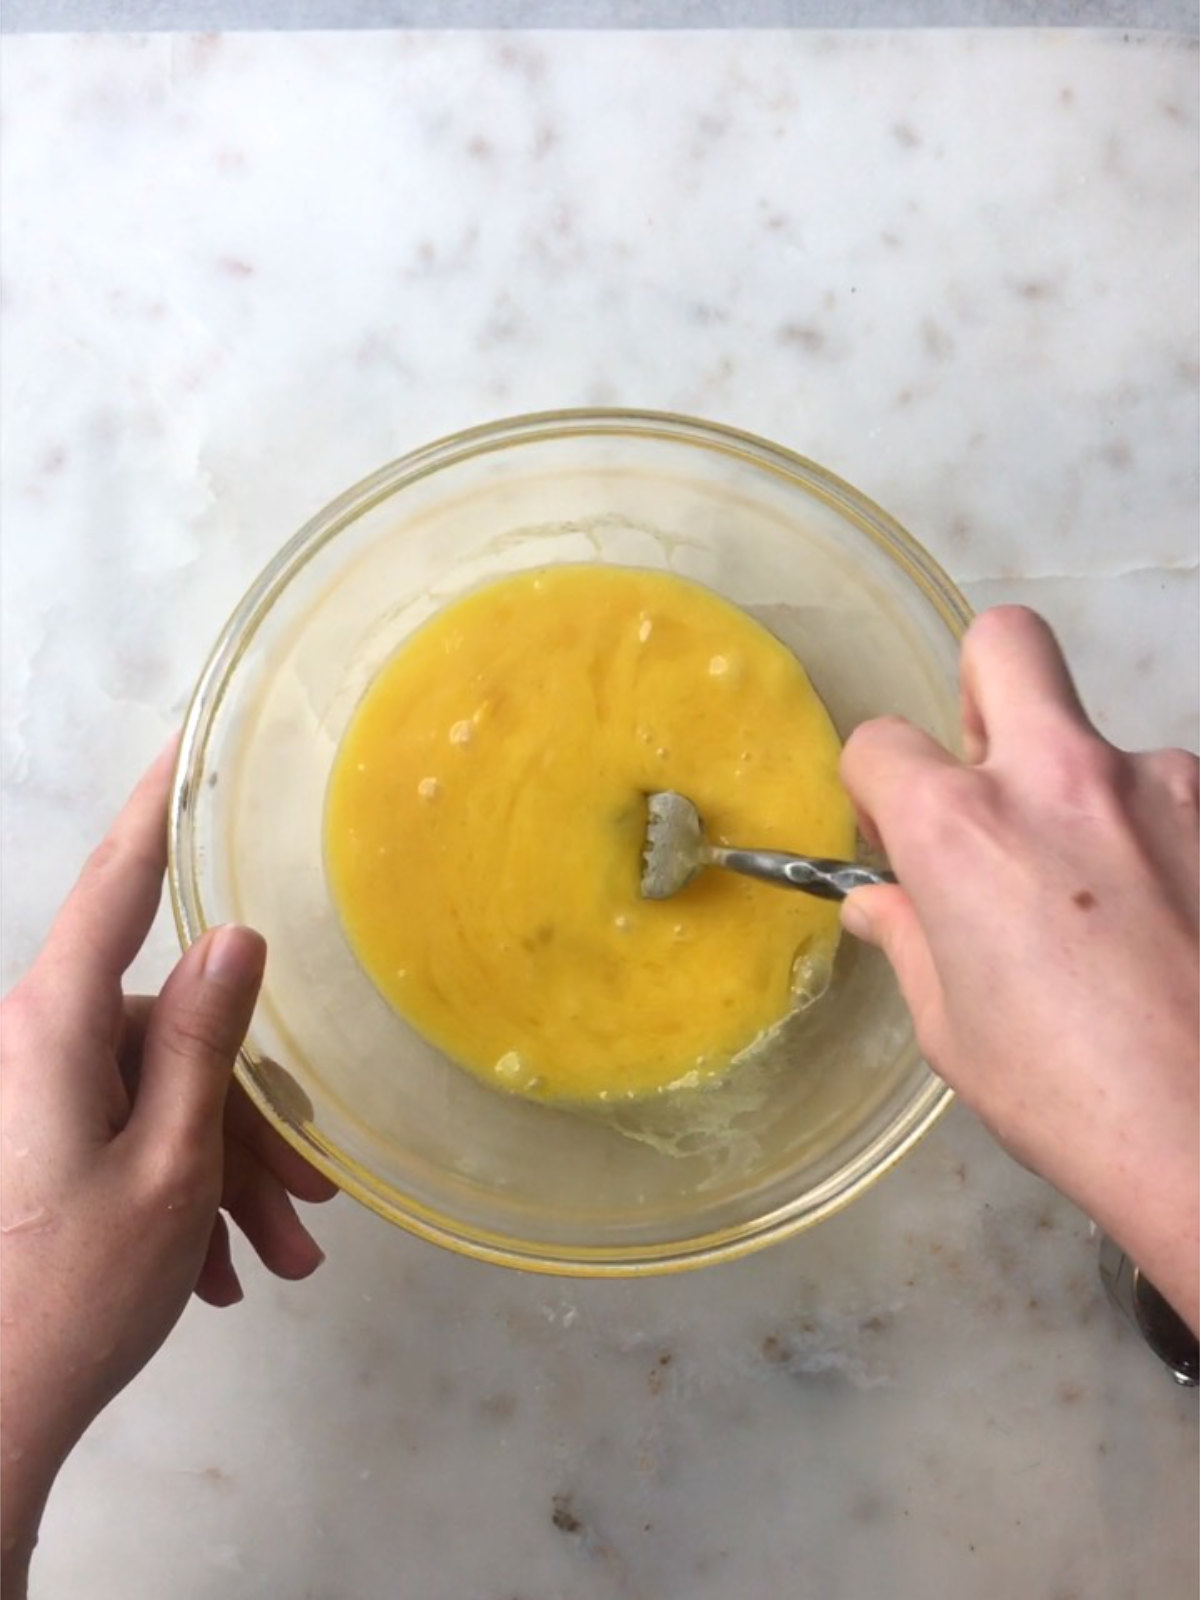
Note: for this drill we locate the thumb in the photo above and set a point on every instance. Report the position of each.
(195, 1030)
(884, 916)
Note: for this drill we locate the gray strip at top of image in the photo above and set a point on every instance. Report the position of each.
(137, 16)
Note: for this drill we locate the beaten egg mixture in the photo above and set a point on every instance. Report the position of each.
(486, 816)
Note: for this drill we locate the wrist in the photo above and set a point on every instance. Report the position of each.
(36, 1441)
(25, 1486)
(1150, 1206)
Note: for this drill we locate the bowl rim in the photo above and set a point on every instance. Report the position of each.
(542, 1256)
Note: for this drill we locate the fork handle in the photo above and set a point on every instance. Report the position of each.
(829, 880)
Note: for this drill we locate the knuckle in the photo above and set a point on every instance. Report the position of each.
(30, 1023)
(865, 740)
(953, 816)
(1081, 771)
(195, 1032)
(943, 797)
(1178, 771)
(179, 1175)
(109, 853)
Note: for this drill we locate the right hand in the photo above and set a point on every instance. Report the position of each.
(1045, 937)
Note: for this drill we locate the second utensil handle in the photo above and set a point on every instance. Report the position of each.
(829, 880)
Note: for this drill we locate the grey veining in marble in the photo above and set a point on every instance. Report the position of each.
(239, 273)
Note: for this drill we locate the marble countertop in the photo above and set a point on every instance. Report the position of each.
(959, 269)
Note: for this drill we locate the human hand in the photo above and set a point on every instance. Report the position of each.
(121, 1139)
(1045, 937)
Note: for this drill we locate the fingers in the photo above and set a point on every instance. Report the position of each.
(192, 1039)
(1013, 675)
(1177, 772)
(218, 1283)
(106, 917)
(260, 1205)
(880, 763)
(245, 1123)
(885, 917)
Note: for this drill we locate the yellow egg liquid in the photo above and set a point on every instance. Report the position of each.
(486, 817)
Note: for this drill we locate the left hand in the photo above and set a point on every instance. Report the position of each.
(123, 1139)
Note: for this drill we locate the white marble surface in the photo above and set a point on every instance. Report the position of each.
(959, 269)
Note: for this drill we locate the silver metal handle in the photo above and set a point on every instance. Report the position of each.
(1136, 1298)
(829, 880)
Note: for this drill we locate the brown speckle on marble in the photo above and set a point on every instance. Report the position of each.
(54, 460)
(708, 1562)
(1173, 112)
(562, 1515)
(868, 1508)
(1036, 290)
(544, 140)
(710, 127)
(1066, 97)
(1144, 663)
(524, 59)
(774, 221)
(235, 267)
(904, 397)
(1070, 1393)
(702, 313)
(203, 48)
(906, 136)
(229, 159)
(498, 1407)
(658, 1373)
(479, 148)
(808, 338)
(891, 241)
(504, 323)
(939, 345)
(1117, 455)
(960, 529)
(215, 1476)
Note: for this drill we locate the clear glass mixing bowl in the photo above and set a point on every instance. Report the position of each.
(781, 1143)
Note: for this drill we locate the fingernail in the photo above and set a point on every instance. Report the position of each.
(855, 920)
(234, 957)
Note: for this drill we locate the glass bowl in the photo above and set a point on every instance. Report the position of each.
(701, 1177)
